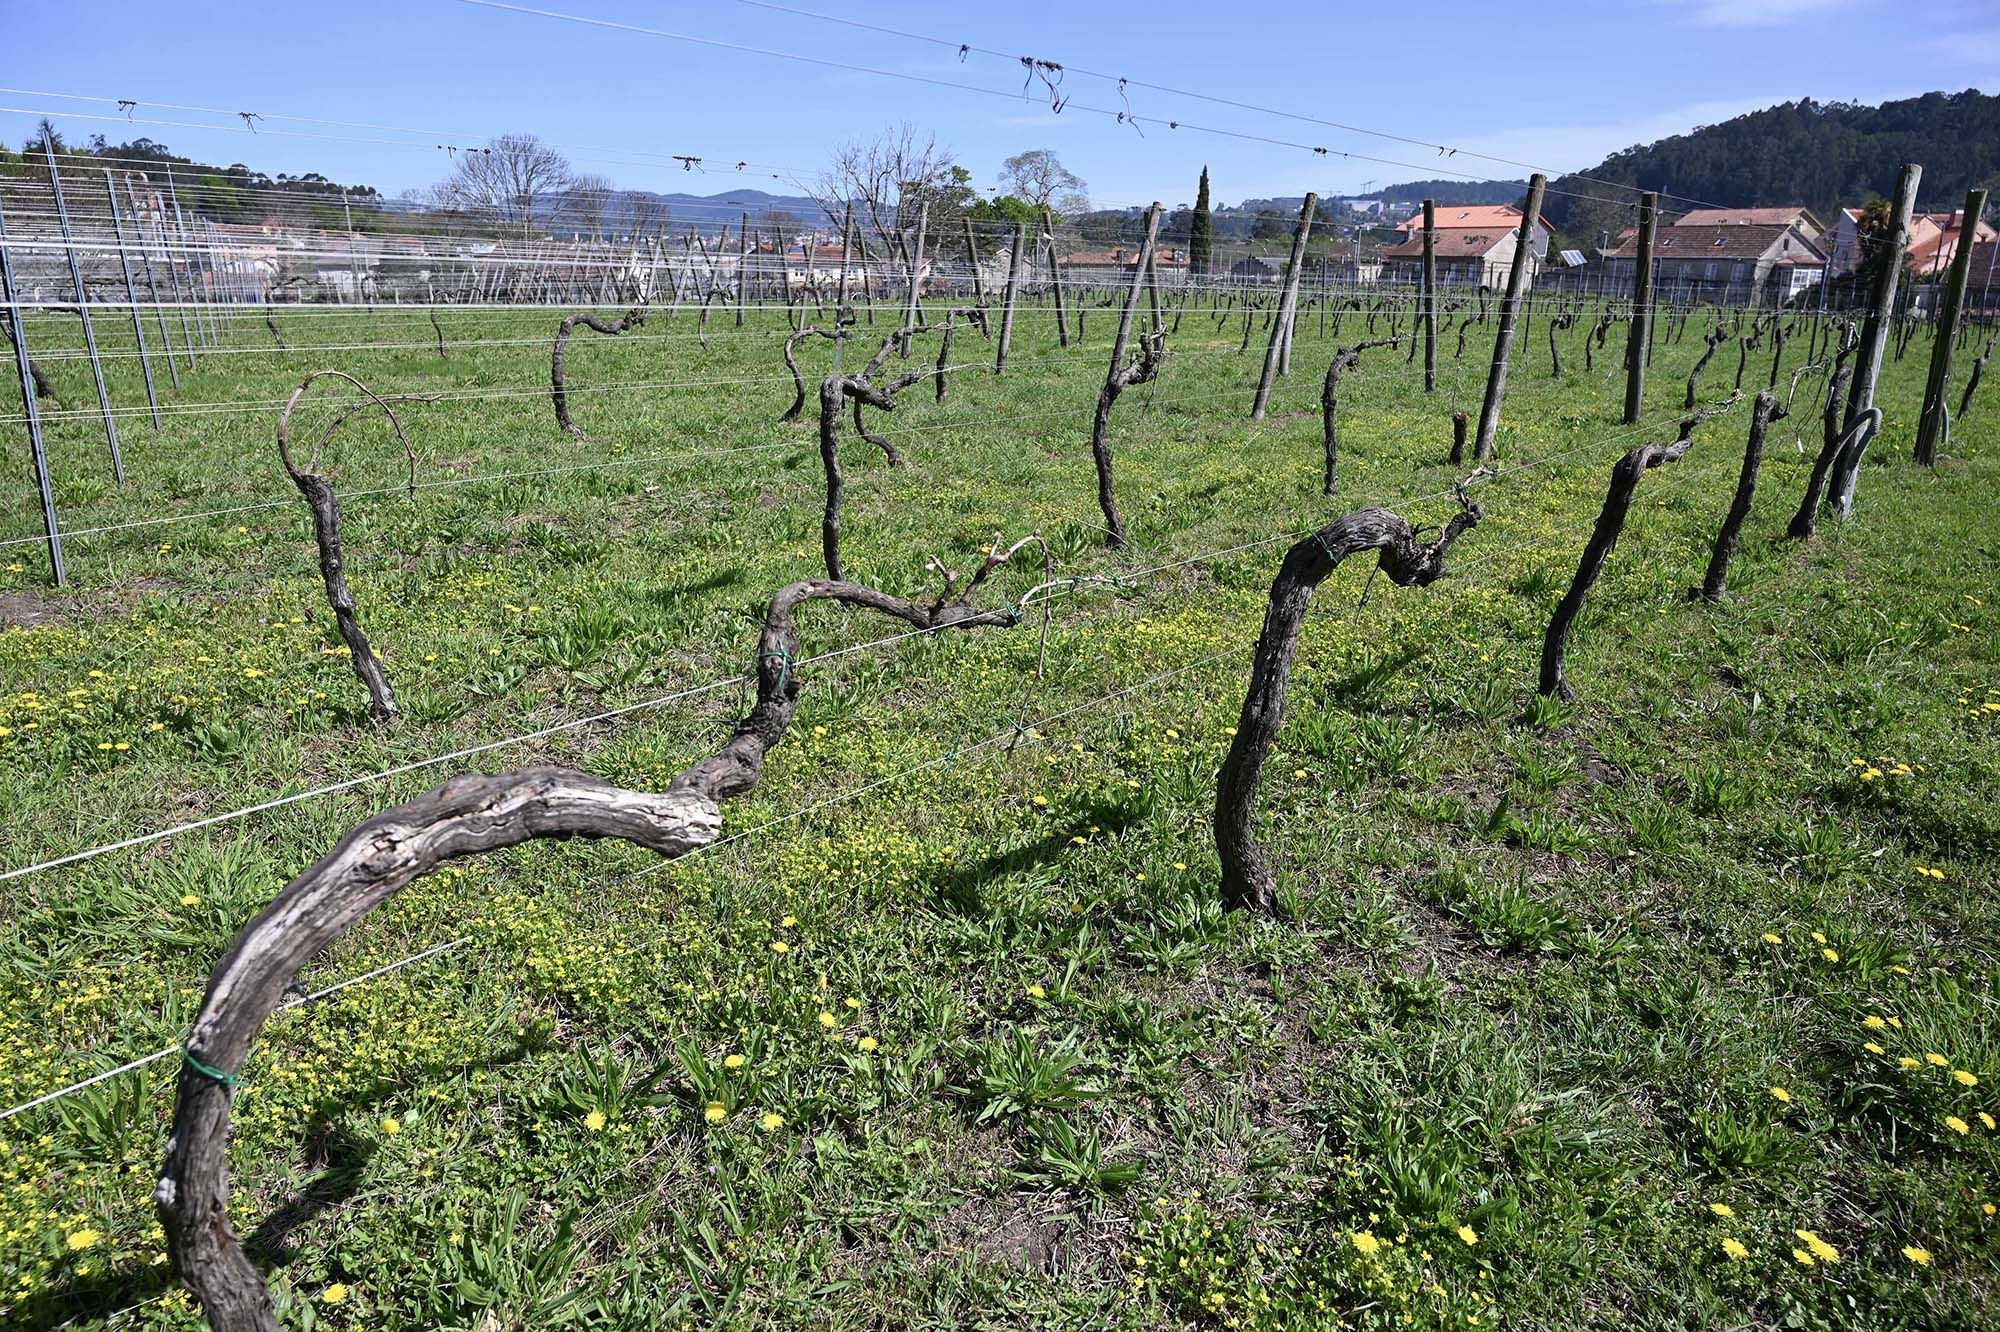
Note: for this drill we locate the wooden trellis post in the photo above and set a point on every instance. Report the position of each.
(1639, 337)
(1503, 342)
(1430, 280)
(25, 365)
(1874, 342)
(1936, 420)
(1013, 290)
(1287, 303)
(1055, 280)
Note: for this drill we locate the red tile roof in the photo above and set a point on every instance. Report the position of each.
(1452, 242)
(1756, 217)
(1505, 217)
(1734, 240)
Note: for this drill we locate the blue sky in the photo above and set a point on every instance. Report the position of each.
(446, 71)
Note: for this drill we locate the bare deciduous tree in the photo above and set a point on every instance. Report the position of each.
(508, 179)
(585, 204)
(1039, 177)
(883, 177)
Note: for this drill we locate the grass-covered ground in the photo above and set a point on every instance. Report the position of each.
(1674, 1009)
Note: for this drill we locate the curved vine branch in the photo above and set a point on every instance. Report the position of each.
(1805, 521)
(1625, 474)
(1347, 358)
(1766, 411)
(465, 816)
(1247, 880)
(837, 333)
(975, 315)
(1716, 337)
(325, 505)
(558, 387)
(833, 390)
(1152, 352)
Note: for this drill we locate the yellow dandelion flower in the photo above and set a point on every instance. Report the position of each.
(1772, 939)
(392, 1127)
(1781, 1095)
(1734, 1248)
(1921, 1257)
(828, 1020)
(789, 921)
(594, 1121)
(1818, 938)
(1874, 1023)
(1873, 1048)
(715, 1112)
(1366, 1243)
(1987, 1120)
(1936, 1060)
(190, 899)
(1830, 954)
(83, 1239)
(732, 1061)
(1908, 1062)
(1821, 1250)
(1964, 1079)
(868, 1044)
(1957, 1125)
(1722, 1209)
(1468, 1234)
(1037, 992)
(772, 1122)
(333, 1294)
(1802, 1258)
(780, 946)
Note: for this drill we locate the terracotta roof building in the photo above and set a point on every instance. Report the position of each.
(1729, 261)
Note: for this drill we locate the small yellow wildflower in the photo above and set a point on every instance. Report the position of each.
(594, 1121)
(1873, 1048)
(1936, 1060)
(1366, 1243)
(789, 921)
(1037, 992)
(1468, 1234)
(1908, 1062)
(732, 1061)
(715, 1112)
(868, 1044)
(1802, 1258)
(828, 1020)
(1722, 1209)
(392, 1127)
(1957, 1125)
(190, 899)
(1734, 1248)
(1830, 954)
(1987, 1120)
(1873, 1022)
(1772, 938)
(780, 946)
(333, 1294)
(1921, 1257)
(1781, 1095)
(83, 1239)
(772, 1122)
(1821, 1250)
(1964, 1079)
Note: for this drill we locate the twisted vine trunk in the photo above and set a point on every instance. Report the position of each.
(1152, 351)
(1716, 337)
(1347, 358)
(1247, 880)
(438, 329)
(1625, 474)
(1763, 413)
(319, 496)
(833, 391)
(1964, 401)
(44, 390)
(1805, 521)
(466, 816)
(558, 386)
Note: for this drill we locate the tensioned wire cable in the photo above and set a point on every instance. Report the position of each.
(1015, 732)
(1459, 374)
(1070, 586)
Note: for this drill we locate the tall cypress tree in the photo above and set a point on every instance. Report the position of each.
(1201, 231)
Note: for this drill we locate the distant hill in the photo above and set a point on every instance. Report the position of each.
(1820, 154)
(1824, 155)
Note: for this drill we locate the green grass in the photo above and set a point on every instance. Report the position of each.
(1543, 968)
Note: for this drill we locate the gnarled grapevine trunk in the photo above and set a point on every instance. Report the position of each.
(1152, 351)
(1247, 881)
(1347, 358)
(558, 386)
(465, 816)
(975, 315)
(325, 505)
(44, 390)
(1716, 337)
(1625, 474)
(833, 391)
(1972, 383)
(1763, 413)
(1805, 521)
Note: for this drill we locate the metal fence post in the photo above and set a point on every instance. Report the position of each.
(83, 312)
(132, 295)
(22, 364)
(152, 282)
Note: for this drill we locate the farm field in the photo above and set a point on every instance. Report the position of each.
(1672, 1007)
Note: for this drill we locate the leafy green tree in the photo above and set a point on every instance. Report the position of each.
(1201, 230)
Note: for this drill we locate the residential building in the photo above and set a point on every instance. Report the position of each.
(1730, 263)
